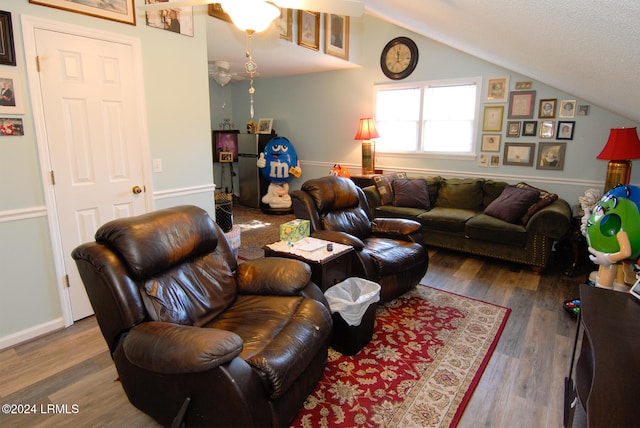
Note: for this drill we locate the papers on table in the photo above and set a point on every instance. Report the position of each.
(309, 248)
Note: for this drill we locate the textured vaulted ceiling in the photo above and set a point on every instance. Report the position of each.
(588, 48)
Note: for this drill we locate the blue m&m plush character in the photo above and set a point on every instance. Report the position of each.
(279, 161)
(627, 191)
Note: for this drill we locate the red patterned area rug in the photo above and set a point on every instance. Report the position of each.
(428, 352)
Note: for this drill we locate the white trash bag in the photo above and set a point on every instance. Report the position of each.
(351, 298)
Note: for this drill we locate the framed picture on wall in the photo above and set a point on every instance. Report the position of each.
(7, 47)
(513, 129)
(567, 109)
(285, 23)
(121, 10)
(529, 128)
(521, 104)
(497, 89)
(547, 129)
(265, 126)
(216, 11)
(175, 19)
(547, 108)
(490, 143)
(520, 154)
(11, 126)
(492, 120)
(10, 93)
(309, 29)
(336, 31)
(565, 130)
(551, 156)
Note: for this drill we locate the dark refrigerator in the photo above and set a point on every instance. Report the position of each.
(252, 184)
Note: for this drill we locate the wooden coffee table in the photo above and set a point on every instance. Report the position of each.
(327, 267)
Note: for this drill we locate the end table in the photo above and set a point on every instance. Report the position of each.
(327, 267)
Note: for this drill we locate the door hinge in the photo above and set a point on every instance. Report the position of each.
(53, 178)
(38, 63)
(66, 281)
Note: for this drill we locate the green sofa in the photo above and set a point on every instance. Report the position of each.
(517, 223)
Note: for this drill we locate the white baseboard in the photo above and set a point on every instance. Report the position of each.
(31, 333)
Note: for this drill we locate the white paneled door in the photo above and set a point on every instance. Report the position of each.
(93, 130)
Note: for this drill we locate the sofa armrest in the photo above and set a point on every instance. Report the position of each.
(273, 275)
(554, 220)
(168, 348)
(395, 226)
(343, 238)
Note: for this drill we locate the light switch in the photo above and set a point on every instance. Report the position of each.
(157, 165)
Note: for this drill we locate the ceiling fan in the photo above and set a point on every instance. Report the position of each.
(254, 16)
(220, 71)
(338, 7)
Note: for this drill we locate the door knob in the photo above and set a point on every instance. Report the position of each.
(136, 190)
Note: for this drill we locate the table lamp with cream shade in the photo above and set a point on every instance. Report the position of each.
(622, 146)
(367, 132)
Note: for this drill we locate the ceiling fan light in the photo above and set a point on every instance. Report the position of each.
(251, 15)
(222, 78)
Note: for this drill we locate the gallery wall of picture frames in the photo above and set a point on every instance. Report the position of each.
(335, 28)
(516, 118)
(11, 101)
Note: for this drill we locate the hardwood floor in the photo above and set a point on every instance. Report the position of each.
(522, 385)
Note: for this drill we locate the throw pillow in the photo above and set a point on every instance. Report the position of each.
(512, 203)
(461, 193)
(411, 193)
(545, 199)
(383, 184)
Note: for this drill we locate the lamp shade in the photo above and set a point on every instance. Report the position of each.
(366, 129)
(623, 144)
(250, 15)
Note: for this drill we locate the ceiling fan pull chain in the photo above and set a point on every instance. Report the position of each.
(251, 91)
(251, 68)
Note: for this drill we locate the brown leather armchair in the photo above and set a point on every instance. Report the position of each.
(189, 328)
(390, 251)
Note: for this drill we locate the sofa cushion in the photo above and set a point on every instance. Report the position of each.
(446, 219)
(411, 193)
(392, 256)
(461, 193)
(545, 199)
(383, 184)
(281, 345)
(483, 227)
(512, 203)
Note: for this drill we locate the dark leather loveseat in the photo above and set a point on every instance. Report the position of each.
(189, 329)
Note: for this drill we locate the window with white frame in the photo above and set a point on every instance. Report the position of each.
(434, 117)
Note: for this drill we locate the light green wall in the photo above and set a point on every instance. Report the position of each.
(178, 123)
(319, 113)
(28, 296)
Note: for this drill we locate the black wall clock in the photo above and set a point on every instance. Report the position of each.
(399, 58)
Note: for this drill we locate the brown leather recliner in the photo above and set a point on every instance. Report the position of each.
(390, 251)
(189, 328)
